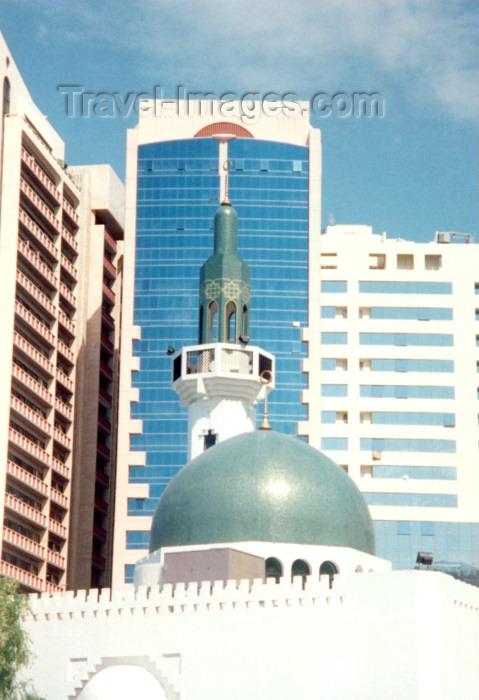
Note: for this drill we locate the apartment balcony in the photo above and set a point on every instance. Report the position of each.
(46, 214)
(24, 543)
(26, 579)
(59, 498)
(64, 440)
(35, 324)
(106, 344)
(40, 175)
(24, 477)
(57, 528)
(110, 242)
(60, 467)
(39, 236)
(69, 239)
(32, 384)
(68, 295)
(103, 450)
(105, 424)
(35, 293)
(106, 371)
(108, 293)
(33, 418)
(107, 320)
(69, 210)
(65, 351)
(28, 447)
(64, 380)
(66, 323)
(55, 559)
(102, 478)
(98, 561)
(105, 398)
(69, 267)
(101, 505)
(100, 533)
(109, 268)
(33, 258)
(31, 514)
(63, 408)
(27, 349)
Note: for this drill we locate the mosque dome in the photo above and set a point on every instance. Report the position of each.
(262, 486)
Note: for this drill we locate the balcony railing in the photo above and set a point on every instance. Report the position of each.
(55, 559)
(36, 293)
(23, 542)
(24, 509)
(59, 498)
(109, 293)
(110, 242)
(69, 296)
(57, 528)
(64, 380)
(67, 265)
(105, 370)
(29, 447)
(104, 423)
(34, 323)
(44, 179)
(32, 384)
(27, 579)
(59, 467)
(67, 207)
(109, 267)
(98, 561)
(61, 438)
(30, 415)
(25, 477)
(39, 266)
(107, 398)
(107, 344)
(103, 450)
(108, 319)
(32, 353)
(63, 408)
(38, 234)
(65, 321)
(65, 351)
(46, 213)
(67, 236)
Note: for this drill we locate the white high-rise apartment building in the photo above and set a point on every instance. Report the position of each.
(393, 392)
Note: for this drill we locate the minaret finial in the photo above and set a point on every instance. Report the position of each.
(227, 165)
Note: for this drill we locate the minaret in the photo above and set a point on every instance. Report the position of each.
(222, 378)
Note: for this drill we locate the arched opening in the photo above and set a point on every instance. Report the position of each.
(212, 322)
(200, 332)
(327, 568)
(231, 321)
(300, 568)
(245, 329)
(273, 568)
(359, 569)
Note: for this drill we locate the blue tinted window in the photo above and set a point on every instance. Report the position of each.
(412, 313)
(129, 573)
(334, 338)
(381, 471)
(334, 286)
(428, 500)
(402, 391)
(328, 416)
(412, 418)
(334, 390)
(411, 365)
(404, 527)
(379, 287)
(328, 312)
(334, 443)
(407, 445)
(328, 363)
(137, 539)
(405, 339)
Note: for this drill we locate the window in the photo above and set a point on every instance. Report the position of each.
(334, 443)
(377, 261)
(136, 506)
(334, 390)
(334, 286)
(327, 568)
(329, 363)
(297, 166)
(364, 312)
(366, 470)
(405, 262)
(137, 539)
(334, 338)
(404, 527)
(428, 500)
(402, 365)
(433, 262)
(409, 339)
(407, 445)
(427, 528)
(273, 568)
(129, 573)
(300, 568)
(405, 287)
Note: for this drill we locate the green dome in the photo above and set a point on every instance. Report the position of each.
(262, 486)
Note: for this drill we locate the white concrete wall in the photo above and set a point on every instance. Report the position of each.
(401, 635)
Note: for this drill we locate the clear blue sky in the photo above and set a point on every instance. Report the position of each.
(409, 173)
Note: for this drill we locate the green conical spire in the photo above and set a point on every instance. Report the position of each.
(224, 284)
